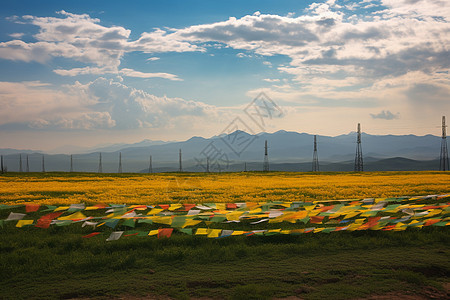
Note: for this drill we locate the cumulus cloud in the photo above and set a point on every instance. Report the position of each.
(100, 104)
(386, 115)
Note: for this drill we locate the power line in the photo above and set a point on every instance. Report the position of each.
(315, 163)
(359, 166)
(443, 161)
(120, 162)
(266, 158)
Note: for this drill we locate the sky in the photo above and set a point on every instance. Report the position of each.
(86, 73)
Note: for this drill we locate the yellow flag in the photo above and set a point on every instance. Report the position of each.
(213, 233)
(190, 222)
(201, 231)
(153, 232)
(22, 223)
(75, 216)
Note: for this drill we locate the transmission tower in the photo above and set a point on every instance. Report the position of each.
(100, 169)
(180, 169)
(359, 167)
(150, 167)
(245, 167)
(71, 163)
(266, 159)
(207, 164)
(120, 162)
(315, 163)
(20, 163)
(43, 163)
(444, 152)
(2, 167)
(28, 165)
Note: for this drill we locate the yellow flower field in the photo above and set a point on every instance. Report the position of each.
(68, 188)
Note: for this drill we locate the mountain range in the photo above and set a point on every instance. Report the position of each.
(288, 151)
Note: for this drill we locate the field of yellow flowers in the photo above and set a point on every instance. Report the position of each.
(68, 188)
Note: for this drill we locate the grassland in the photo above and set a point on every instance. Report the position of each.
(56, 263)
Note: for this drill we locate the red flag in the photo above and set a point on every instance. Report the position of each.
(90, 235)
(43, 223)
(165, 232)
(32, 207)
(188, 207)
(45, 220)
(164, 206)
(316, 219)
(51, 216)
(231, 205)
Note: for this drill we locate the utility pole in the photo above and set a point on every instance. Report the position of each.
(315, 163)
(180, 169)
(359, 166)
(266, 159)
(100, 169)
(20, 163)
(28, 165)
(71, 164)
(120, 162)
(444, 165)
(43, 164)
(150, 167)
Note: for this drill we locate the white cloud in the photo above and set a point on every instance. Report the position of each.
(153, 58)
(386, 115)
(17, 35)
(102, 103)
(112, 70)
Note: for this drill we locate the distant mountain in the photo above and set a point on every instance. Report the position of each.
(287, 151)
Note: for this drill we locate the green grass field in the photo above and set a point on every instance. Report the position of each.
(57, 263)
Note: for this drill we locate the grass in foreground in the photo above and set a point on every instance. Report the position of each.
(59, 264)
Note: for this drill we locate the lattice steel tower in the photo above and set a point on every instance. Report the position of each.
(20, 163)
(150, 167)
(2, 166)
(359, 166)
(43, 163)
(71, 163)
(315, 162)
(28, 165)
(443, 166)
(120, 163)
(207, 164)
(180, 169)
(100, 169)
(266, 159)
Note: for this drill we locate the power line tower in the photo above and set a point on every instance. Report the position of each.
(266, 159)
(150, 167)
(207, 164)
(120, 162)
(180, 169)
(443, 166)
(315, 163)
(245, 167)
(43, 164)
(2, 166)
(100, 169)
(359, 166)
(71, 163)
(28, 165)
(20, 163)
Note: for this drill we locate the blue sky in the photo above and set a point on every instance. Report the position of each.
(98, 72)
